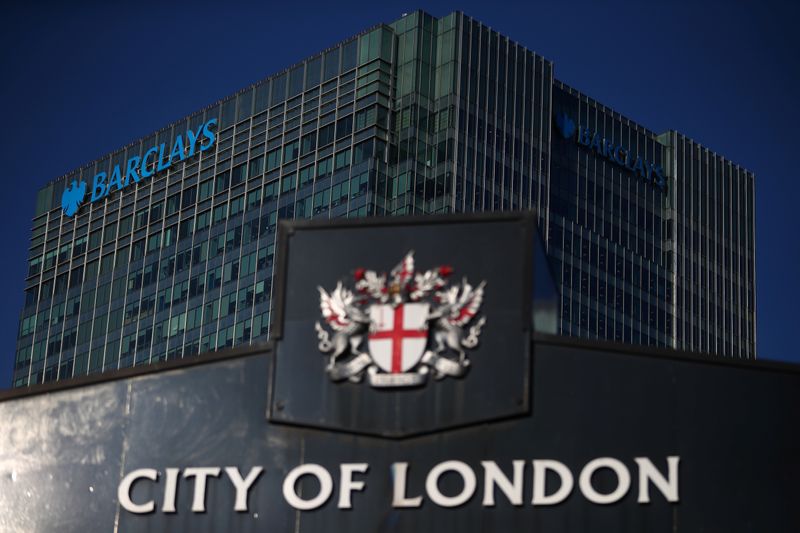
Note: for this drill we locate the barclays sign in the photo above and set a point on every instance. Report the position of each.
(156, 159)
(611, 151)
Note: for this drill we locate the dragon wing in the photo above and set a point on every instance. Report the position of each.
(334, 306)
(372, 284)
(467, 306)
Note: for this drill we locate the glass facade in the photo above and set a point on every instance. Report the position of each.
(423, 115)
(670, 267)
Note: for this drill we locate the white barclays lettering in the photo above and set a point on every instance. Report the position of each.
(352, 479)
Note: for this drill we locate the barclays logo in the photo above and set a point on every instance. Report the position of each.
(613, 152)
(565, 125)
(72, 198)
(155, 159)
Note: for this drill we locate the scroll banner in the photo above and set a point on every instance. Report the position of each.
(444, 366)
(351, 368)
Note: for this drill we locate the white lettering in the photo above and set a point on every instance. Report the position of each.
(492, 475)
(200, 475)
(648, 472)
(242, 486)
(171, 490)
(399, 499)
(347, 485)
(124, 491)
(325, 487)
(623, 480)
(506, 479)
(467, 476)
(540, 468)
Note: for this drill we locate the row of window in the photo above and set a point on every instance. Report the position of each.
(128, 352)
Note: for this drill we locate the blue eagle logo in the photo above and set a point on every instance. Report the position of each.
(566, 126)
(72, 198)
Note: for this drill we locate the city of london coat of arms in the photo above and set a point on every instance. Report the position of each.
(398, 329)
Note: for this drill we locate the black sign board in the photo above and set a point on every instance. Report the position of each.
(607, 438)
(469, 365)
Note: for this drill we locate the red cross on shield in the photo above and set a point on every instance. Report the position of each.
(398, 335)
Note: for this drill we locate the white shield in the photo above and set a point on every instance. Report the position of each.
(398, 335)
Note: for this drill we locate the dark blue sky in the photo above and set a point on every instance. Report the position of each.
(79, 81)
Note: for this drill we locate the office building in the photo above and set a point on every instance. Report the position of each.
(165, 248)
